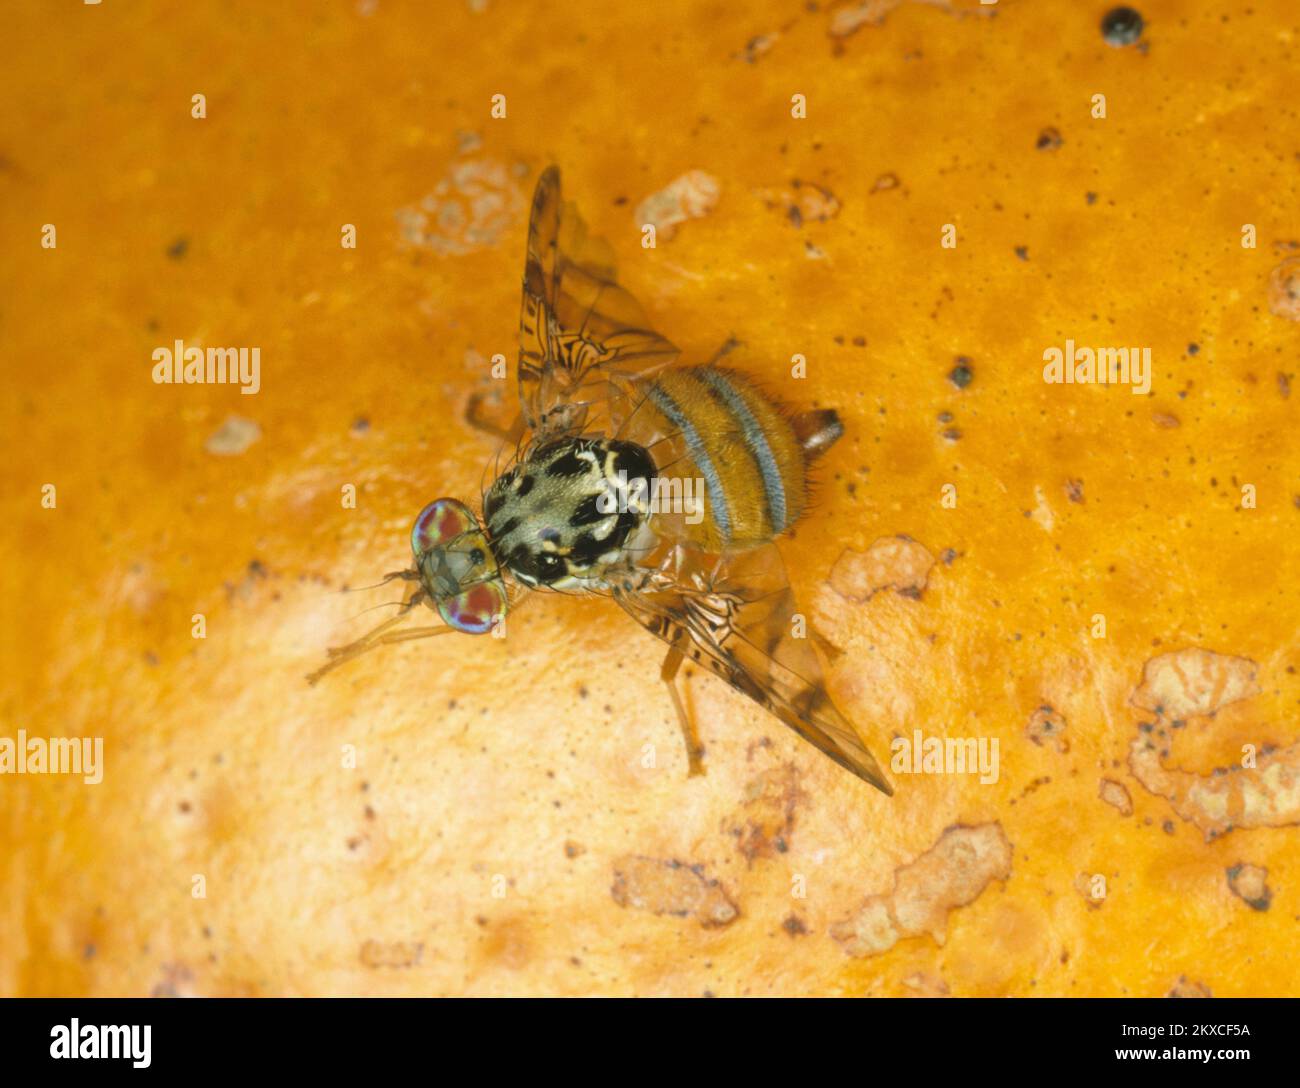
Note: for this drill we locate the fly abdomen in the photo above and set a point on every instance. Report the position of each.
(745, 449)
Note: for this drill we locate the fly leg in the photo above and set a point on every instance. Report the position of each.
(382, 634)
(474, 417)
(694, 749)
(730, 345)
(833, 653)
(341, 654)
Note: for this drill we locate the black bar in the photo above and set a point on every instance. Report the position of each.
(343, 1036)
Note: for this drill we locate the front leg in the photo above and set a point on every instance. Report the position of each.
(475, 419)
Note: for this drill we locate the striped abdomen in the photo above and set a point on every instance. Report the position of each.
(751, 455)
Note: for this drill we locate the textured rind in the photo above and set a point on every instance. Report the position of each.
(498, 783)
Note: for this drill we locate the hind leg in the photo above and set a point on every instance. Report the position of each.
(730, 345)
(694, 749)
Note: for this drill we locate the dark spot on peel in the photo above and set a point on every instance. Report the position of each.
(1121, 26)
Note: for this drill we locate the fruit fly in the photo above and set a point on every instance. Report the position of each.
(608, 425)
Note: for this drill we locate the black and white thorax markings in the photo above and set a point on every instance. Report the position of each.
(570, 511)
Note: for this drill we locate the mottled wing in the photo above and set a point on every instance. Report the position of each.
(579, 331)
(740, 623)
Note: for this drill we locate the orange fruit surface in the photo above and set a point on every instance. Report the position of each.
(1105, 583)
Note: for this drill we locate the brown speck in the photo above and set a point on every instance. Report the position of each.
(1284, 289)
(1046, 725)
(765, 821)
(1248, 883)
(690, 196)
(1049, 139)
(1185, 987)
(380, 954)
(896, 563)
(757, 46)
(671, 887)
(233, 437)
(1116, 795)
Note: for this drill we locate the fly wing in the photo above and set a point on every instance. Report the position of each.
(579, 331)
(737, 617)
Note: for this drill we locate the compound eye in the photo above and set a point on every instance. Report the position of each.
(439, 523)
(477, 610)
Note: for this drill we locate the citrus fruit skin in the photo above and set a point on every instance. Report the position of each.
(513, 816)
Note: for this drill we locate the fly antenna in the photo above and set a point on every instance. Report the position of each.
(406, 575)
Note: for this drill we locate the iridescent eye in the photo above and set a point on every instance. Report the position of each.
(477, 610)
(439, 523)
(459, 574)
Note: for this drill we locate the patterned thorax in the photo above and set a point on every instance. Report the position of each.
(566, 514)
